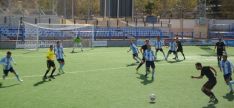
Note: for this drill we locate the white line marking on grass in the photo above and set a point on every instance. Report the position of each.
(73, 72)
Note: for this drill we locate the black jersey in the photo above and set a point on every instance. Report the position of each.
(220, 46)
(179, 45)
(144, 47)
(208, 73)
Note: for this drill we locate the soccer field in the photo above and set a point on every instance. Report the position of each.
(100, 78)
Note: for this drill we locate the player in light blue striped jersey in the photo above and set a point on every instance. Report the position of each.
(58, 50)
(149, 57)
(227, 69)
(135, 51)
(158, 47)
(7, 66)
(172, 49)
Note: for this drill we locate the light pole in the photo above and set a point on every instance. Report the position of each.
(72, 9)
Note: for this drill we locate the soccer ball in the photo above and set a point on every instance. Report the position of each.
(152, 97)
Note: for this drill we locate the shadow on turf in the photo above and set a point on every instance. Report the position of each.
(144, 81)
(41, 82)
(210, 106)
(1, 86)
(229, 97)
(177, 61)
(132, 64)
(208, 50)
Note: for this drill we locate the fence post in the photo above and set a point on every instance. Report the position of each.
(49, 20)
(35, 21)
(117, 22)
(74, 21)
(192, 35)
(96, 22)
(5, 19)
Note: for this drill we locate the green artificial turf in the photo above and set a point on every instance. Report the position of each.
(101, 78)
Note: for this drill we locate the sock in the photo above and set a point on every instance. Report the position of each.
(62, 67)
(153, 73)
(17, 76)
(230, 85)
(139, 65)
(53, 72)
(135, 59)
(46, 73)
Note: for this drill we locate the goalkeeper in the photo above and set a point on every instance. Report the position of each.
(77, 42)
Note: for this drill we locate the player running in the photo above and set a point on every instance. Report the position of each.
(58, 50)
(179, 47)
(210, 73)
(172, 49)
(77, 42)
(220, 48)
(149, 58)
(142, 50)
(227, 69)
(158, 47)
(135, 51)
(50, 63)
(7, 66)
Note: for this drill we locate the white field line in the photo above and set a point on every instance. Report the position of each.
(73, 72)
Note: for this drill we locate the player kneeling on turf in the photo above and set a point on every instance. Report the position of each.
(6, 61)
(149, 57)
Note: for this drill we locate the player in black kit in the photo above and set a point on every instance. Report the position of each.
(142, 50)
(220, 46)
(179, 47)
(210, 73)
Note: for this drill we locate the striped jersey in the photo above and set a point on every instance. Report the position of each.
(172, 46)
(149, 55)
(158, 44)
(58, 52)
(226, 67)
(134, 48)
(7, 62)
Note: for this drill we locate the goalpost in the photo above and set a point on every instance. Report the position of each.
(42, 35)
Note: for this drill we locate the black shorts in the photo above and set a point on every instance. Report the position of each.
(170, 51)
(50, 63)
(228, 77)
(210, 84)
(150, 64)
(179, 50)
(60, 60)
(135, 55)
(7, 71)
(219, 53)
(159, 49)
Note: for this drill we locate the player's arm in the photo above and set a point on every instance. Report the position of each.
(214, 71)
(13, 61)
(2, 61)
(197, 77)
(141, 50)
(215, 47)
